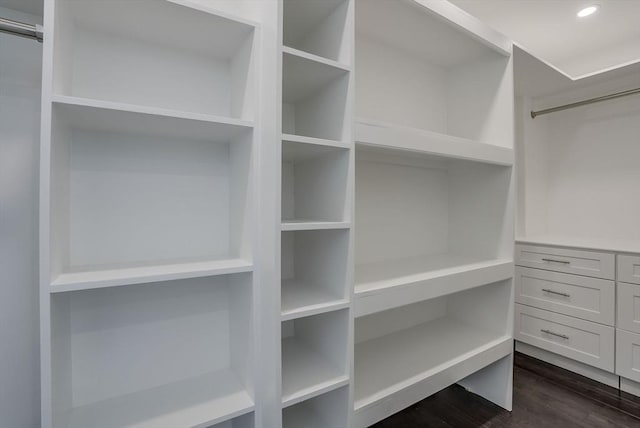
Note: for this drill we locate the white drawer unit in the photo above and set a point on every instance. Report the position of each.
(587, 263)
(628, 355)
(578, 296)
(584, 341)
(629, 269)
(629, 307)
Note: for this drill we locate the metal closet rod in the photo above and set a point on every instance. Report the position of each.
(585, 102)
(21, 29)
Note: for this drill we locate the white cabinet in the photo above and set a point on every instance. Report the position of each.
(578, 296)
(629, 307)
(628, 355)
(629, 268)
(583, 341)
(579, 262)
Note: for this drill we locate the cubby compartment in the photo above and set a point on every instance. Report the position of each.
(155, 53)
(318, 27)
(405, 354)
(314, 185)
(314, 355)
(314, 269)
(138, 197)
(176, 353)
(416, 69)
(314, 98)
(437, 224)
(244, 421)
(324, 411)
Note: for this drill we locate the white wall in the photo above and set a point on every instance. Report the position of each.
(20, 65)
(581, 166)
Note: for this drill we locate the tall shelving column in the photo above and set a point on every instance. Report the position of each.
(148, 216)
(433, 289)
(316, 211)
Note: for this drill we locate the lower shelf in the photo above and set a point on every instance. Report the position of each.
(393, 283)
(301, 299)
(198, 402)
(427, 357)
(306, 373)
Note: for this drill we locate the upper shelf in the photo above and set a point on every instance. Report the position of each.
(431, 143)
(317, 27)
(125, 52)
(601, 244)
(409, 24)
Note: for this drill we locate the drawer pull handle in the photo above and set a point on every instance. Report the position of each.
(556, 292)
(564, 262)
(562, 336)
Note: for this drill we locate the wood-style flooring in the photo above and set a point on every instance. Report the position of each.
(543, 396)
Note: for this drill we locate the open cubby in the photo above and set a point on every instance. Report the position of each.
(135, 191)
(176, 353)
(415, 69)
(314, 182)
(314, 98)
(419, 214)
(327, 410)
(318, 27)
(314, 355)
(429, 345)
(154, 53)
(244, 421)
(314, 271)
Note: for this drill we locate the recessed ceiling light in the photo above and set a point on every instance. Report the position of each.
(590, 10)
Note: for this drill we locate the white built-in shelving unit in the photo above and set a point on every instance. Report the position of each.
(434, 206)
(316, 205)
(147, 216)
(200, 265)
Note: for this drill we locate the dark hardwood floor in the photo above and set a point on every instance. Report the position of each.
(543, 396)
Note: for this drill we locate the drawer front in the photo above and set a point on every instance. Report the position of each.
(629, 269)
(578, 296)
(588, 263)
(584, 341)
(628, 307)
(628, 355)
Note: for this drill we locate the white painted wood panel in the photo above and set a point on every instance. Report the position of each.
(587, 263)
(628, 307)
(628, 355)
(581, 340)
(326, 410)
(628, 268)
(578, 296)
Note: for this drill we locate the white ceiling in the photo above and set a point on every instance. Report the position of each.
(550, 30)
(33, 7)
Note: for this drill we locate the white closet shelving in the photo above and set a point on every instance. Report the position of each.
(434, 206)
(147, 214)
(316, 206)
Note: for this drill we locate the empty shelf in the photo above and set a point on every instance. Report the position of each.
(301, 299)
(290, 225)
(306, 373)
(137, 275)
(436, 354)
(385, 285)
(380, 134)
(197, 402)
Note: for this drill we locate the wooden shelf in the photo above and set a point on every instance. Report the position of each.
(327, 410)
(306, 373)
(389, 284)
(201, 401)
(85, 280)
(429, 356)
(304, 77)
(292, 225)
(315, 58)
(300, 299)
(385, 135)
